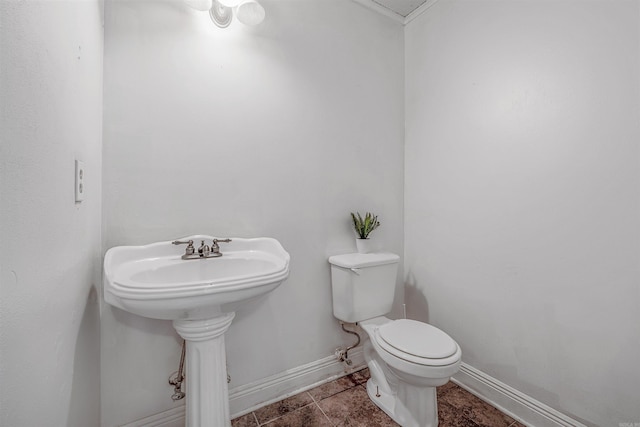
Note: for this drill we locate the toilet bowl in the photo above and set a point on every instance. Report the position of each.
(407, 359)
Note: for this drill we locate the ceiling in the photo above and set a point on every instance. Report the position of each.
(400, 10)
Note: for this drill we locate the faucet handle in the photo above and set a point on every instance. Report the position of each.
(182, 242)
(190, 250)
(215, 248)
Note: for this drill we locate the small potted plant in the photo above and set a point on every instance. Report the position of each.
(364, 226)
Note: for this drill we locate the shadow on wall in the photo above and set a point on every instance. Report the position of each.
(84, 407)
(418, 309)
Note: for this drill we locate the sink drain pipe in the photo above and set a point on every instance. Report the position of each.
(343, 355)
(177, 378)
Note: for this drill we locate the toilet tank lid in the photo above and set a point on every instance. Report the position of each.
(364, 260)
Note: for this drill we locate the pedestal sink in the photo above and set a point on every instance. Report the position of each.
(200, 296)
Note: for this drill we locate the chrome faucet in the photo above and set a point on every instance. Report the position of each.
(204, 251)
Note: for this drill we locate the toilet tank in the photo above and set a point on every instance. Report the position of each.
(363, 285)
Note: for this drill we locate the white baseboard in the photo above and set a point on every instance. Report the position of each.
(171, 418)
(249, 397)
(512, 402)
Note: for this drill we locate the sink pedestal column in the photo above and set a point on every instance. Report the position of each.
(207, 394)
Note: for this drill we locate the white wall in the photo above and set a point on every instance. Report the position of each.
(278, 131)
(50, 114)
(522, 194)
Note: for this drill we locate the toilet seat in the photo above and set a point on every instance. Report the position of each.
(417, 342)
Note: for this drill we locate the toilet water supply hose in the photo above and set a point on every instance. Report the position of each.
(344, 355)
(177, 378)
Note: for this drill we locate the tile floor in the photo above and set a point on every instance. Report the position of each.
(344, 402)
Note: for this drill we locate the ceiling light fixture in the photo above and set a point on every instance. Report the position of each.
(220, 15)
(249, 12)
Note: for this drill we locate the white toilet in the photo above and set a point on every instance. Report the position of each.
(407, 359)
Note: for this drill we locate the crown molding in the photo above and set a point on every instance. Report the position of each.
(404, 20)
(370, 4)
(419, 11)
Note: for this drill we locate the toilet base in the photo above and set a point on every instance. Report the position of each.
(422, 399)
(384, 401)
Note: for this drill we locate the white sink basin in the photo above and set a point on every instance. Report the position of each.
(154, 281)
(200, 296)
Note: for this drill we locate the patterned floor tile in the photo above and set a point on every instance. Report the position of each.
(245, 421)
(331, 388)
(345, 403)
(360, 376)
(448, 416)
(353, 408)
(307, 416)
(475, 409)
(283, 407)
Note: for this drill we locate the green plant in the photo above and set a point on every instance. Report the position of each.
(364, 226)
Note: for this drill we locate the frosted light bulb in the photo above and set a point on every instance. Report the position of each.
(229, 3)
(199, 4)
(250, 12)
(221, 15)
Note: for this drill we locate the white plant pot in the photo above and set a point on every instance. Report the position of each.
(364, 246)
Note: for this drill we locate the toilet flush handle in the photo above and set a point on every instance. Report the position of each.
(355, 270)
